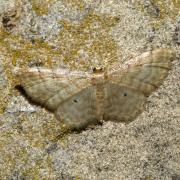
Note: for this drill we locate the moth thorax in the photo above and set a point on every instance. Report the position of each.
(98, 79)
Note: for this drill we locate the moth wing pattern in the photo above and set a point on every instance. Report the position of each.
(51, 88)
(67, 94)
(79, 111)
(130, 84)
(73, 96)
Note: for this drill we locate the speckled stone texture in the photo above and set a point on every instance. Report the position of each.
(78, 35)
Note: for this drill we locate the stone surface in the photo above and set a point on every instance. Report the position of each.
(80, 35)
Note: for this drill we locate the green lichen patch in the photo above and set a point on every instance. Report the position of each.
(41, 7)
(88, 43)
(78, 4)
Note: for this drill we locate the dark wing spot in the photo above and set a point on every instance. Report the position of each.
(75, 100)
(125, 94)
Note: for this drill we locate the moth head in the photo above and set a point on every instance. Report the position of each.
(98, 69)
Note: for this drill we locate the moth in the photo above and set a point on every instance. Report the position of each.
(79, 98)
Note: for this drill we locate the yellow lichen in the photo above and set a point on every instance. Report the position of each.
(41, 7)
(79, 4)
(88, 43)
(167, 9)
